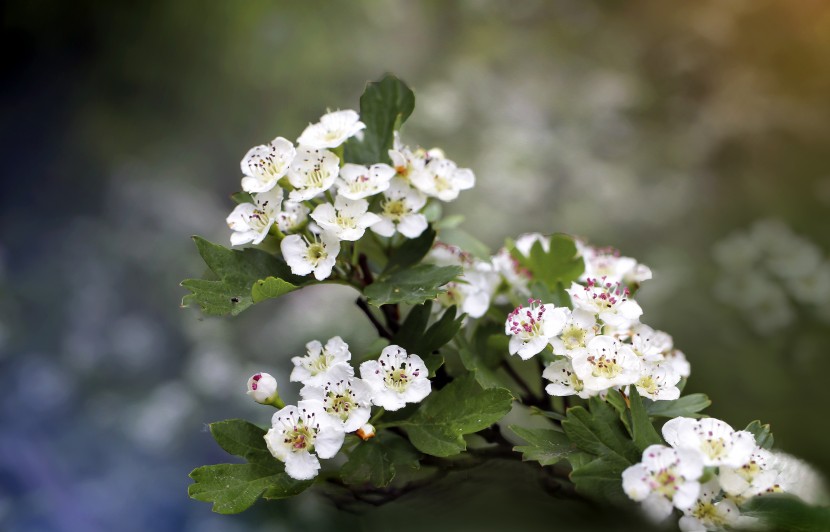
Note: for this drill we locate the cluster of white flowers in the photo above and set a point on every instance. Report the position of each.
(600, 344)
(768, 269)
(334, 401)
(292, 184)
(708, 472)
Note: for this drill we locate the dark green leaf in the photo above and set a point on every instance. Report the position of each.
(270, 287)
(237, 271)
(461, 407)
(241, 438)
(686, 406)
(233, 488)
(642, 431)
(411, 251)
(433, 361)
(384, 107)
(441, 332)
(545, 446)
(464, 240)
(413, 328)
(242, 197)
(600, 432)
(786, 513)
(762, 433)
(412, 285)
(377, 461)
(601, 479)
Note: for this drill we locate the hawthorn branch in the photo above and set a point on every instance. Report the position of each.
(380, 327)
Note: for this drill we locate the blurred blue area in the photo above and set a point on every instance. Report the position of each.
(657, 129)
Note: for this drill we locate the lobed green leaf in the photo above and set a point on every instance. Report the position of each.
(412, 285)
(545, 446)
(378, 460)
(762, 433)
(686, 406)
(241, 438)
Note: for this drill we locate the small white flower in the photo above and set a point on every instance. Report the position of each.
(405, 161)
(442, 179)
(813, 288)
(650, 344)
(609, 301)
(531, 328)
(717, 443)
(395, 378)
(516, 278)
(658, 382)
(579, 329)
(312, 172)
(400, 211)
(608, 264)
(797, 477)
(604, 363)
(323, 364)
(358, 182)
(264, 165)
(305, 257)
(262, 388)
(706, 514)
(755, 477)
(251, 222)
(347, 219)
(564, 381)
(348, 401)
(664, 479)
(292, 217)
(297, 432)
(677, 360)
(332, 130)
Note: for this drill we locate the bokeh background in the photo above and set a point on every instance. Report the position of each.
(660, 128)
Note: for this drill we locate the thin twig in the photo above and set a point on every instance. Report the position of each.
(364, 306)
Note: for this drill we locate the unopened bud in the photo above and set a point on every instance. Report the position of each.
(262, 387)
(366, 432)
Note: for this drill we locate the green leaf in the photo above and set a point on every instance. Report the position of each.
(411, 251)
(461, 407)
(416, 338)
(600, 432)
(558, 266)
(642, 431)
(545, 446)
(464, 240)
(384, 107)
(762, 433)
(442, 331)
(601, 479)
(237, 271)
(412, 285)
(241, 438)
(433, 361)
(413, 327)
(484, 355)
(269, 288)
(233, 488)
(377, 461)
(686, 406)
(242, 197)
(786, 513)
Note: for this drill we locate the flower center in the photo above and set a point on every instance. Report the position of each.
(573, 336)
(316, 253)
(648, 384)
(714, 447)
(258, 220)
(665, 483)
(395, 209)
(397, 380)
(346, 222)
(299, 439)
(604, 367)
(340, 404)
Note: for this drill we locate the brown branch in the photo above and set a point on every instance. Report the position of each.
(364, 306)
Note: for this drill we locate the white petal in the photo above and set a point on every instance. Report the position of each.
(328, 442)
(301, 465)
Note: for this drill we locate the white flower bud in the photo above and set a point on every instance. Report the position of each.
(262, 387)
(366, 432)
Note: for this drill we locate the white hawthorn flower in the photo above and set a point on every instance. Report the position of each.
(358, 182)
(297, 432)
(755, 477)
(264, 165)
(323, 364)
(706, 514)
(605, 362)
(348, 401)
(531, 328)
(564, 381)
(677, 360)
(608, 264)
(332, 130)
(292, 217)
(251, 222)
(650, 344)
(399, 211)
(262, 388)
(305, 257)
(346, 219)
(717, 443)
(658, 382)
(799, 478)
(405, 161)
(579, 329)
(664, 479)
(442, 179)
(313, 171)
(516, 278)
(395, 378)
(609, 301)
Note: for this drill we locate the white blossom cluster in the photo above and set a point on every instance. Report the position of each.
(767, 270)
(308, 196)
(334, 401)
(708, 471)
(600, 344)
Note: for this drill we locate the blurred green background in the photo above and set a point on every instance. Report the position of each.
(655, 127)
